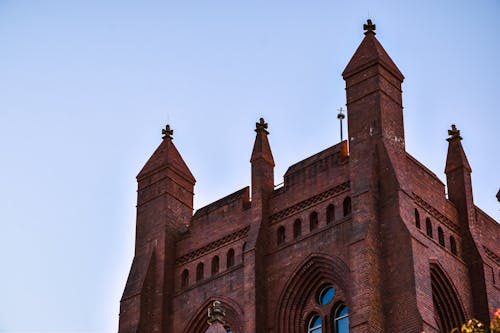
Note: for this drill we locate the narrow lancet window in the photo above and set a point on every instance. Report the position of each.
(280, 234)
(313, 221)
(330, 214)
(347, 206)
(297, 228)
(230, 258)
(428, 227)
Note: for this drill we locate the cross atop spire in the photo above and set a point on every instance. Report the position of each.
(261, 126)
(454, 133)
(167, 132)
(369, 27)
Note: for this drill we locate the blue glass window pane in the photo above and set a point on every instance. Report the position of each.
(343, 311)
(315, 325)
(326, 295)
(343, 325)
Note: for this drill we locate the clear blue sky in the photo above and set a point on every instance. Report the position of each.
(87, 85)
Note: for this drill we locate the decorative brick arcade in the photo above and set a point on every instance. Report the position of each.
(360, 238)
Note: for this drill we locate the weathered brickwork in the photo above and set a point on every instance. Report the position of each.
(360, 235)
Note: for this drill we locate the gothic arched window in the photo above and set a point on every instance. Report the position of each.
(428, 227)
(185, 278)
(453, 245)
(417, 218)
(230, 258)
(199, 272)
(330, 213)
(297, 228)
(313, 221)
(441, 236)
(347, 206)
(341, 319)
(315, 324)
(280, 234)
(447, 309)
(329, 312)
(215, 265)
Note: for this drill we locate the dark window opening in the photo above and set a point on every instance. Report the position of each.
(417, 218)
(280, 235)
(297, 228)
(330, 213)
(428, 227)
(313, 221)
(215, 265)
(230, 258)
(185, 278)
(199, 272)
(347, 206)
(440, 236)
(453, 245)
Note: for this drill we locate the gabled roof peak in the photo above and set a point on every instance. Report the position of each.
(369, 53)
(167, 155)
(456, 157)
(261, 147)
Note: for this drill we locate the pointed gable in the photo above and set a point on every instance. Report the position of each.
(261, 147)
(370, 52)
(166, 155)
(456, 157)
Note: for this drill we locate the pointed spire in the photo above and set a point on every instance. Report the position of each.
(456, 157)
(370, 52)
(261, 147)
(167, 155)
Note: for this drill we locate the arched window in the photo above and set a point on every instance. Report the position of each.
(215, 265)
(326, 295)
(280, 235)
(199, 272)
(428, 227)
(440, 236)
(341, 319)
(313, 221)
(447, 309)
(185, 278)
(315, 325)
(297, 228)
(417, 218)
(453, 245)
(347, 206)
(330, 213)
(230, 258)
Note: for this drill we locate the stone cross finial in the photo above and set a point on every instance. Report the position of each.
(167, 132)
(369, 27)
(215, 313)
(454, 133)
(261, 126)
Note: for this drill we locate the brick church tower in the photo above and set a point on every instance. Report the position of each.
(360, 238)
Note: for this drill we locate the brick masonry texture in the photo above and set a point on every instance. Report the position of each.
(362, 216)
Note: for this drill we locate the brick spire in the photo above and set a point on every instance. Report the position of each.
(374, 97)
(261, 147)
(166, 155)
(369, 53)
(456, 157)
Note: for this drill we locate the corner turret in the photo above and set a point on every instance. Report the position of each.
(374, 97)
(459, 182)
(164, 209)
